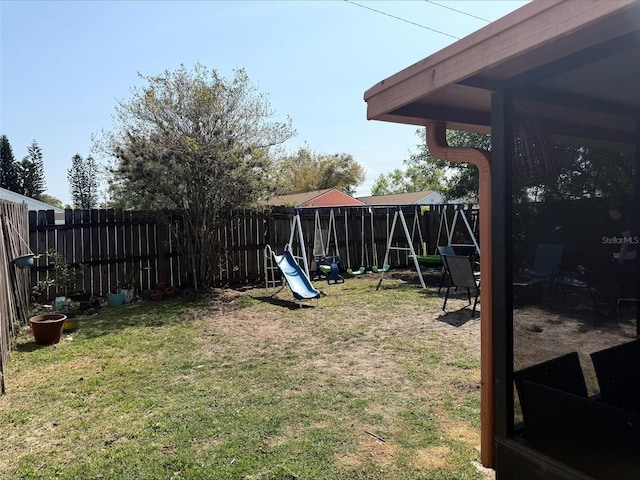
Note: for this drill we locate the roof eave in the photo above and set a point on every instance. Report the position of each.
(524, 30)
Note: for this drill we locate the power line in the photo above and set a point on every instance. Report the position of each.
(458, 11)
(402, 19)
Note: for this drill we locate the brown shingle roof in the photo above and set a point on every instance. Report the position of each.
(296, 198)
(326, 197)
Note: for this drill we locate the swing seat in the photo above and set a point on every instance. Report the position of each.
(325, 268)
(465, 250)
(329, 267)
(429, 261)
(385, 268)
(360, 271)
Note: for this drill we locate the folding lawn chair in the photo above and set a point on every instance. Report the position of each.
(461, 273)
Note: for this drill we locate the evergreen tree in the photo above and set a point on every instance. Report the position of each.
(9, 175)
(83, 182)
(32, 172)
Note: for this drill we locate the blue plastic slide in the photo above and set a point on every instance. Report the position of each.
(299, 283)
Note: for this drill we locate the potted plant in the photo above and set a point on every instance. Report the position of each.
(115, 299)
(47, 329)
(66, 275)
(40, 290)
(128, 283)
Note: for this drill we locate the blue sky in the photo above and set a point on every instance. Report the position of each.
(65, 64)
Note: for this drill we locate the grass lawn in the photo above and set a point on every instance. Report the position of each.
(366, 385)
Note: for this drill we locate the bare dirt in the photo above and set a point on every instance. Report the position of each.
(543, 328)
(544, 332)
(361, 361)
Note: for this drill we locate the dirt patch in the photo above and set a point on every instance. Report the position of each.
(545, 332)
(438, 457)
(359, 354)
(370, 449)
(541, 332)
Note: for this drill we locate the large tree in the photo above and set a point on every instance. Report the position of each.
(56, 202)
(419, 175)
(32, 172)
(83, 182)
(306, 171)
(9, 169)
(200, 144)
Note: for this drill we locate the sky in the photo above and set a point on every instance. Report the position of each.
(65, 65)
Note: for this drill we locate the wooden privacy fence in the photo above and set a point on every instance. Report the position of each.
(104, 245)
(14, 281)
(109, 244)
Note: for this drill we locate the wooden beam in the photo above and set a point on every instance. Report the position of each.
(577, 102)
(444, 113)
(595, 53)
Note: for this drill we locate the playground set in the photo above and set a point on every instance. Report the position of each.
(294, 269)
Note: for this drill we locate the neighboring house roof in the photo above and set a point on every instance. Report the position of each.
(32, 203)
(426, 197)
(318, 198)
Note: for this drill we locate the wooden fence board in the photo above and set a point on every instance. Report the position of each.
(15, 283)
(94, 238)
(85, 253)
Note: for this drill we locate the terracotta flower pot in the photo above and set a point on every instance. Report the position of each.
(47, 329)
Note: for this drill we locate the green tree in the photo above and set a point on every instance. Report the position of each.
(9, 169)
(390, 183)
(31, 172)
(83, 182)
(306, 171)
(56, 202)
(586, 172)
(199, 144)
(419, 176)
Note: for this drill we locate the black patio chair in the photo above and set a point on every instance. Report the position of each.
(461, 274)
(444, 250)
(563, 372)
(618, 372)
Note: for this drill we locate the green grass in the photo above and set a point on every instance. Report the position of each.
(367, 385)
